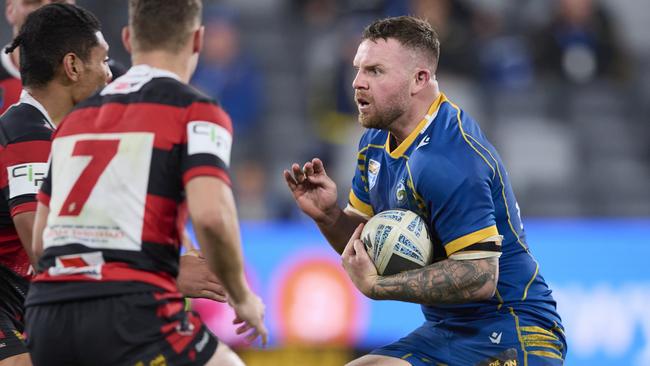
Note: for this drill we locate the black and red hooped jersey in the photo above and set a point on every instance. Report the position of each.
(118, 167)
(10, 84)
(25, 134)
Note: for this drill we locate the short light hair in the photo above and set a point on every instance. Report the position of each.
(163, 24)
(414, 33)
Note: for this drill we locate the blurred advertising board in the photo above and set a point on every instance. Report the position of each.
(599, 271)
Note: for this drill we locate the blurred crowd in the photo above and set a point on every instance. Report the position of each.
(561, 88)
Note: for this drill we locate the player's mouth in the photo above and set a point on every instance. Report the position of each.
(363, 104)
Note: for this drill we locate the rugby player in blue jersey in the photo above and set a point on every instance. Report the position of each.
(483, 298)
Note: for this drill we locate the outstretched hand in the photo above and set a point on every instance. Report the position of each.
(250, 314)
(314, 191)
(358, 265)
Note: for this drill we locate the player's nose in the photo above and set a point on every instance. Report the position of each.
(359, 82)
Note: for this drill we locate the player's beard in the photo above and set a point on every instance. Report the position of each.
(382, 116)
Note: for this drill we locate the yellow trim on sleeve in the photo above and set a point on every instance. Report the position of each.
(433, 110)
(360, 205)
(540, 330)
(469, 239)
(545, 354)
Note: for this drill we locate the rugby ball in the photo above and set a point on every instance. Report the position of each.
(397, 240)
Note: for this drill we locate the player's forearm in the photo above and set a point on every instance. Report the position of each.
(24, 223)
(212, 209)
(40, 222)
(446, 282)
(338, 229)
(219, 239)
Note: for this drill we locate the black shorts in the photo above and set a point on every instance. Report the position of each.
(133, 329)
(13, 290)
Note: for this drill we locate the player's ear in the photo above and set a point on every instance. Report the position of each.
(126, 39)
(197, 40)
(422, 77)
(72, 66)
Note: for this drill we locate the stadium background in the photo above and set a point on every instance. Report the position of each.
(568, 107)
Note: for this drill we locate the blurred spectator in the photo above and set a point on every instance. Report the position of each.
(504, 59)
(452, 20)
(228, 74)
(329, 44)
(250, 184)
(579, 44)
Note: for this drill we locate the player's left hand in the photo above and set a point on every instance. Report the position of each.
(196, 280)
(358, 265)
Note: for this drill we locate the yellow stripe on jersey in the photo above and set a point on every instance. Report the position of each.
(540, 330)
(360, 205)
(545, 354)
(469, 239)
(433, 110)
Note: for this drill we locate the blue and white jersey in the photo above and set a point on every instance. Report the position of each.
(447, 172)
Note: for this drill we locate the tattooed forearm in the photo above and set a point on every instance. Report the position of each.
(445, 282)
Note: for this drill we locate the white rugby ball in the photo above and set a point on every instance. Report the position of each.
(397, 240)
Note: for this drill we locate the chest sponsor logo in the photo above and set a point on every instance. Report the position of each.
(25, 178)
(373, 172)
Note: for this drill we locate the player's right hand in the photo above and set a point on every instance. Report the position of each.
(314, 191)
(250, 314)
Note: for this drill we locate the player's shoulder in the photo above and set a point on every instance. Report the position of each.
(23, 122)
(453, 141)
(145, 84)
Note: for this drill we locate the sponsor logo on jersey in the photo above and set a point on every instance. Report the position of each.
(424, 142)
(400, 192)
(205, 137)
(87, 264)
(373, 172)
(495, 337)
(25, 178)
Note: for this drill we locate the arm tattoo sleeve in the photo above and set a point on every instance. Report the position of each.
(446, 282)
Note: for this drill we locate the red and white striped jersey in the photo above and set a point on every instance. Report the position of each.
(118, 167)
(25, 137)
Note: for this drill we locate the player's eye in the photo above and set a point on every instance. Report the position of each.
(374, 71)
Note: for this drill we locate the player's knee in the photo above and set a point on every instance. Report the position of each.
(224, 356)
(17, 360)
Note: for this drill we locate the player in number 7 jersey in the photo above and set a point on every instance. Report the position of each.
(121, 162)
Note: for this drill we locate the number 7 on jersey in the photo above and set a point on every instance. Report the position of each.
(101, 153)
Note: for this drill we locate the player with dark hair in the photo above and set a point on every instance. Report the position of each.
(55, 76)
(483, 298)
(121, 163)
(10, 86)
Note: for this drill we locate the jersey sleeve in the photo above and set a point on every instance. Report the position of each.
(463, 212)
(208, 142)
(45, 192)
(23, 167)
(359, 198)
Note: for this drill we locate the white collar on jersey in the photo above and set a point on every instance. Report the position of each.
(27, 98)
(136, 78)
(150, 71)
(8, 64)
